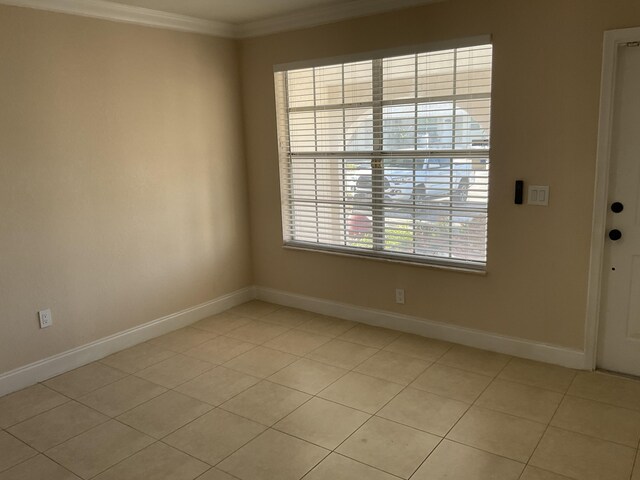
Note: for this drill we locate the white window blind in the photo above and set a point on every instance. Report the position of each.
(388, 157)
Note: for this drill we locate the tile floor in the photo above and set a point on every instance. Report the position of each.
(268, 393)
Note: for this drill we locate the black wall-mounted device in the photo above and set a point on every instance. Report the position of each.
(519, 192)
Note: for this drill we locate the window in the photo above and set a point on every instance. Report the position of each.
(389, 156)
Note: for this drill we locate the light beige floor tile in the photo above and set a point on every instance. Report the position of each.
(27, 403)
(289, 317)
(156, 462)
(55, 426)
(606, 388)
(265, 402)
(273, 456)
(582, 457)
(174, 371)
(338, 467)
(475, 360)
(534, 473)
(323, 423)
(123, 395)
(600, 420)
(257, 332)
(261, 362)
(452, 383)
(221, 323)
(308, 376)
(214, 436)
(297, 342)
(137, 358)
(342, 354)
(328, 326)
(254, 309)
(101, 447)
(498, 433)
(361, 392)
(424, 411)
(220, 349)
(370, 336)
(452, 461)
(392, 366)
(520, 400)
(183, 339)
(537, 374)
(218, 385)
(215, 474)
(13, 451)
(391, 447)
(164, 414)
(420, 347)
(38, 468)
(85, 379)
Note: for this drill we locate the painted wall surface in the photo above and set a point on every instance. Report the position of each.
(547, 66)
(122, 178)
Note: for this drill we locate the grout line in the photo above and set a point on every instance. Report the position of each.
(333, 452)
(635, 462)
(35, 452)
(213, 470)
(377, 411)
(68, 399)
(545, 430)
(461, 417)
(126, 374)
(69, 469)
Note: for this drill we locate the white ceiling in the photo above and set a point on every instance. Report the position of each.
(226, 18)
(231, 11)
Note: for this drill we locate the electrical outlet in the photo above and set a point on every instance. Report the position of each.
(46, 320)
(400, 295)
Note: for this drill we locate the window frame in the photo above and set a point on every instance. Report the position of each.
(377, 250)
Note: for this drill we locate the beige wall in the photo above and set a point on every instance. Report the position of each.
(547, 58)
(122, 178)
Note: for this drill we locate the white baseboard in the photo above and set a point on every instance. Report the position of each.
(518, 347)
(48, 367)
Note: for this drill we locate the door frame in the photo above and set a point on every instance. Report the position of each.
(612, 40)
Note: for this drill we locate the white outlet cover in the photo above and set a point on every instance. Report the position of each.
(538, 195)
(45, 317)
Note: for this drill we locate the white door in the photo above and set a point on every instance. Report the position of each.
(619, 344)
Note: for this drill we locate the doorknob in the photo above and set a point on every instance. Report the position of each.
(615, 234)
(617, 207)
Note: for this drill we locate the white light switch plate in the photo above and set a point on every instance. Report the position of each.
(538, 195)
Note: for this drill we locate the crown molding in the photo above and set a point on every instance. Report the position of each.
(129, 14)
(155, 18)
(313, 17)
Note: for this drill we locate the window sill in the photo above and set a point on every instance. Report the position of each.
(459, 267)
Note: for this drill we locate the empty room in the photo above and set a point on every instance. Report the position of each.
(319, 240)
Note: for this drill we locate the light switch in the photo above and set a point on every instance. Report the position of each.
(538, 195)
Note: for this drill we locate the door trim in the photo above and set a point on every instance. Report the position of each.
(612, 40)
